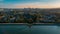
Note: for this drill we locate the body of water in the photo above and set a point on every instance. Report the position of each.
(24, 29)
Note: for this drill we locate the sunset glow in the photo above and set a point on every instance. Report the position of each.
(29, 3)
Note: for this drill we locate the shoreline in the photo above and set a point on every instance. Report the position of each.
(48, 24)
(26, 23)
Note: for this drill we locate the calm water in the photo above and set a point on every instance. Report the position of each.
(24, 29)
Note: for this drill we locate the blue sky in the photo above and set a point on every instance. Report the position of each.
(29, 3)
(25, 1)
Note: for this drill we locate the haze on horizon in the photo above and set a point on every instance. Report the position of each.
(29, 3)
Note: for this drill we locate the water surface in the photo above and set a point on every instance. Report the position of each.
(24, 29)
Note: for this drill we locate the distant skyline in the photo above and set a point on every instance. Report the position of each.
(29, 3)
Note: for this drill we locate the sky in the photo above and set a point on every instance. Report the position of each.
(29, 3)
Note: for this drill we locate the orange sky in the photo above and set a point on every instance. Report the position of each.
(38, 6)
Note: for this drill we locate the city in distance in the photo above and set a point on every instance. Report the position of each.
(29, 15)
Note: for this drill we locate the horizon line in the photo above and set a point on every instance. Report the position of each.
(29, 7)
